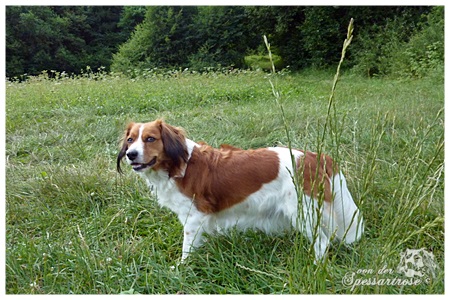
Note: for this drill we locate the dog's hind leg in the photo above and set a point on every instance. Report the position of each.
(348, 219)
(311, 224)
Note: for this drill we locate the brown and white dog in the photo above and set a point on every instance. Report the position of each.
(214, 189)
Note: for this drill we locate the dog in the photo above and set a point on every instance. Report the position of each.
(212, 189)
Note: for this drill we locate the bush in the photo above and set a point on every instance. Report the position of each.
(263, 62)
(423, 55)
(222, 37)
(377, 45)
(160, 41)
(403, 49)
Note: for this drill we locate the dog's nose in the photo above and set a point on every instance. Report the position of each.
(132, 155)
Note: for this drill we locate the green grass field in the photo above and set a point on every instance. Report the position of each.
(73, 225)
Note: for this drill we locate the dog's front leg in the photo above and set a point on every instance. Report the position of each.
(193, 235)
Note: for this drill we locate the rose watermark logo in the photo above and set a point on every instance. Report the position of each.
(417, 262)
(416, 266)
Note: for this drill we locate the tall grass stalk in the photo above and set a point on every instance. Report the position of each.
(331, 102)
(297, 180)
(299, 267)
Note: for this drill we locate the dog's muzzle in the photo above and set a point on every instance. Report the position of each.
(137, 166)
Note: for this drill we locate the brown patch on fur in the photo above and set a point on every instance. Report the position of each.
(317, 175)
(217, 179)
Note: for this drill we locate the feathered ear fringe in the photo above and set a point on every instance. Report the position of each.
(120, 156)
(174, 147)
(124, 148)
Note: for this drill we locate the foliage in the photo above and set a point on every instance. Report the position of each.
(222, 37)
(61, 38)
(263, 62)
(388, 40)
(172, 37)
(423, 54)
(312, 36)
(162, 40)
(404, 46)
(35, 37)
(322, 35)
(303, 36)
(131, 16)
(281, 25)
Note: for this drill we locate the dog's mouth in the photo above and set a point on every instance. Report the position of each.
(139, 167)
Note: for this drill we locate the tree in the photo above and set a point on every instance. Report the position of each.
(61, 38)
(379, 43)
(163, 39)
(69, 38)
(223, 35)
(281, 25)
(130, 17)
(36, 40)
(103, 35)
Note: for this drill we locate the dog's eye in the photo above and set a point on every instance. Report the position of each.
(150, 139)
(129, 140)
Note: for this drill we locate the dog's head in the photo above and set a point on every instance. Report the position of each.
(154, 146)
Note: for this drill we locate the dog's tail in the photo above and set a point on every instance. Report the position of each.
(347, 217)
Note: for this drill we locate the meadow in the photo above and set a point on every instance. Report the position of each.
(75, 226)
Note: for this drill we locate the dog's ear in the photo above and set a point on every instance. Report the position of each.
(175, 148)
(124, 147)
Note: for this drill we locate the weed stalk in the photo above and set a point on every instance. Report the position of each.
(298, 266)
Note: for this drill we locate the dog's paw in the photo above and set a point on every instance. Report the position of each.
(181, 262)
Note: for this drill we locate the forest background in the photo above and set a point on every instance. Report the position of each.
(400, 41)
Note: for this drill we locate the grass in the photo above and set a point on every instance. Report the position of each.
(73, 225)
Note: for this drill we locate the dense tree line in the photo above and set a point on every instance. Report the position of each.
(129, 39)
(65, 38)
